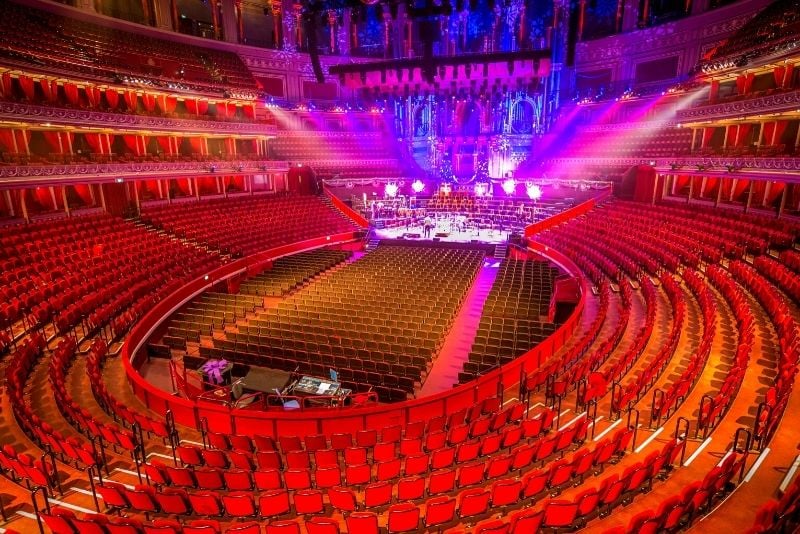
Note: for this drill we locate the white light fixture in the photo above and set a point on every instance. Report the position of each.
(509, 186)
(480, 189)
(390, 190)
(534, 191)
(418, 186)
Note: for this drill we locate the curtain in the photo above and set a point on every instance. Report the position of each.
(85, 193)
(6, 89)
(112, 98)
(166, 103)
(748, 83)
(196, 107)
(741, 135)
(183, 185)
(166, 144)
(149, 102)
(230, 145)
(99, 143)
(7, 139)
(59, 142)
(726, 185)
(202, 107)
(741, 187)
(71, 90)
(249, 111)
(191, 106)
(135, 144)
(730, 135)
(198, 145)
(778, 73)
(780, 127)
(680, 182)
(775, 191)
(708, 133)
(28, 86)
(712, 184)
(49, 89)
(93, 96)
(130, 99)
(740, 80)
(787, 77)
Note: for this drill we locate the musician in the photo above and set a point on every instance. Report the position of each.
(427, 226)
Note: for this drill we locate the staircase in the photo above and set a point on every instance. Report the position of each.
(500, 251)
(373, 244)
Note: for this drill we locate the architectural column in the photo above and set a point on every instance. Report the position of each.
(333, 25)
(215, 18)
(463, 20)
(581, 18)
(10, 204)
(277, 23)
(64, 198)
(193, 183)
(784, 196)
(767, 189)
(703, 186)
(166, 14)
(691, 189)
(344, 35)
(719, 193)
(230, 20)
(630, 15)
(135, 196)
(644, 15)
(618, 18)
(749, 196)
(23, 205)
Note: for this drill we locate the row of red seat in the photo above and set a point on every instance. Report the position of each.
(779, 515)
(781, 275)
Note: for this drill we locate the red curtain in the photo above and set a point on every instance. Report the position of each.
(740, 84)
(713, 93)
(59, 141)
(130, 99)
(230, 145)
(191, 106)
(726, 185)
(93, 96)
(8, 141)
(183, 185)
(741, 187)
(775, 190)
(207, 184)
(71, 90)
(135, 144)
(99, 143)
(28, 86)
(712, 184)
(202, 107)
(730, 135)
(149, 102)
(748, 83)
(249, 110)
(759, 188)
(744, 131)
(778, 73)
(166, 104)
(6, 89)
(50, 90)
(680, 182)
(708, 133)
(766, 137)
(168, 146)
(42, 196)
(85, 193)
(787, 77)
(112, 98)
(780, 127)
(198, 145)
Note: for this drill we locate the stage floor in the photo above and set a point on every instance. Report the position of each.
(455, 236)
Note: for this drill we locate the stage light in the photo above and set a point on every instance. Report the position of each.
(534, 191)
(417, 186)
(480, 189)
(509, 186)
(445, 189)
(390, 190)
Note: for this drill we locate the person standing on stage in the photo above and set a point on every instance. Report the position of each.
(427, 226)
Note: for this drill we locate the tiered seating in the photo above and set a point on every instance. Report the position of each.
(386, 313)
(511, 323)
(46, 40)
(664, 143)
(305, 146)
(206, 313)
(241, 227)
(289, 272)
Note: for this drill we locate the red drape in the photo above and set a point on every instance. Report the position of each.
(759, 188)
(198, 145)
(135, 144)
(744, 131)
(230, 145)
(183, 185)
(726, 185)
(28, 86)
(741, 187)
(207, 184)
(680, 182)
(168, 146)
(59, 141)
(49, 89)
(778, 73)
(112, 98)
(202, 107)
(191, 106)
(93, 96)
(71, 90)
(100, 143)
(780, 127)
(787, 77)
(8, 141)
(748, 82)
(775, 190)
(5, 85)
(708, 133)
(166, 104)
(84, 192)
(130, 99)
(149, 102)
(42, 196)
(740, 84)
(730, 135)
(249, 110)
(713, 93)
(712, 184)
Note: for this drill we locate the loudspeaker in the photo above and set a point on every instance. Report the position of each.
(313, 49)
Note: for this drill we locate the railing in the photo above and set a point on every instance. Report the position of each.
(347, 210)
(328, 420)
(564, 216)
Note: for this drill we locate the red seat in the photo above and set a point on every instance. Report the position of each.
(273, 503)
(403, 517)
(283, 527)
(251, 527)
(472, 502)
(327, 477)
(344, 499)
(378, 494)
(322, 525)
(206, 503)
(308, 501)
(362, 523)
(559, 514)
(439, 511)
(239, 504)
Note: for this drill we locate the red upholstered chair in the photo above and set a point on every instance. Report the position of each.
(416, 464)
(343, 499)
(238, 480)
(297, 479)
(327, 477)
(525, 521)
(239, 504)
(439, 511)
(308, 501)
(113, 495)
(322, 525)
(410, 489)
(472, 502)
(492, 526)
(162, 526)
(403, 517)
(206, 503)
(273, 503)
(441, 482)
(362, 523)
(356, 475)
(122, 525)
(202, 526)
(378, 494)
(355, 455)
(173, 501)
(251, 527)
(283, 527)
(560, 514)
(388, 469)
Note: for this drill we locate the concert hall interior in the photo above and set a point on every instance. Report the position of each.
(386, 266)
